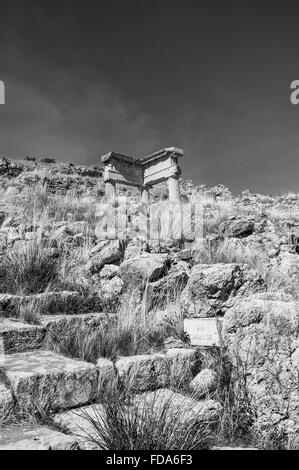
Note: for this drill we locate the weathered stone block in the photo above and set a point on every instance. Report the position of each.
(36, 438)
(149, 372)
(109, 254)
(50, 381)
(77, 422)
(212, 289)
(176, 406)
(147, 267)
(107, 373)
(19, 337)
(204, 383)
(6, 398)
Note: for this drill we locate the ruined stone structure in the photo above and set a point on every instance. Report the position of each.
(143, 173)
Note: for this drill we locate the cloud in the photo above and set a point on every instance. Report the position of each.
(57, 113)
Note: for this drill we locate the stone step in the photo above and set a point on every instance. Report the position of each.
(6, 398)
(183, 409)
(36, 438)
(76, 422)
(153, 371)
(234, 448)
(55, 302)
(176, 407)
(50, 381)
(17, 336)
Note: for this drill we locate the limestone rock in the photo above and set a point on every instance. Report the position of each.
(109, 271)
(239, 228)
(76, 422)
(111, 253)
(6, 398)
(134, 249)
(212, 289)
(262, 335)
(8, 304)
(19, 337)
(112, 288)
(62, 233)
(151, 371)
(147, 267)
(204, 383)
(255, 308)
(177, 407)
(107, 373)
(48, 380)
(171, 343)
(168, 288)
(79, 227)
(144, 372)
(73, 327)
(36, 438)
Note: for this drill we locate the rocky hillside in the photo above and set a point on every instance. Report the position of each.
(59, 177)
(56, 274)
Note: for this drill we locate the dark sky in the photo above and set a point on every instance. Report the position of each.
(212, 77)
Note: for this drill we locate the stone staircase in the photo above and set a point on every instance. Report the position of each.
(34, 377)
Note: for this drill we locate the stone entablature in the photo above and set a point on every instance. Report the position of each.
(143, 173)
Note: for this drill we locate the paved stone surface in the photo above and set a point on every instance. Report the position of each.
(76, 422)
(36, 438)
(49, 380)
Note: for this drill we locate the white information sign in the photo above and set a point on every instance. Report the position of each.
(203, 331)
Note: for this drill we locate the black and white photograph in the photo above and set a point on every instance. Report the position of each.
(149, 228)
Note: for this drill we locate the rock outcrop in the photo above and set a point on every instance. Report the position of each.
(262, 332)
(214, 288)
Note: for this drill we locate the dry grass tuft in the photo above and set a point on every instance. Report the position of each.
(28, 269)
(129, 331)
(126, 425)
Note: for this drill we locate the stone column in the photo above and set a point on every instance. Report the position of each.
(110, 189)
(145, 194)
(174, 188)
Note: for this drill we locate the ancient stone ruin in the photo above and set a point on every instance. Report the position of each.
(143, 173)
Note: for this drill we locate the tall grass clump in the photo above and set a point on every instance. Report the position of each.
(40, 204)
(127, 332)
(139, 424)
(226, 252)
(237, 417)
(28, 269)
